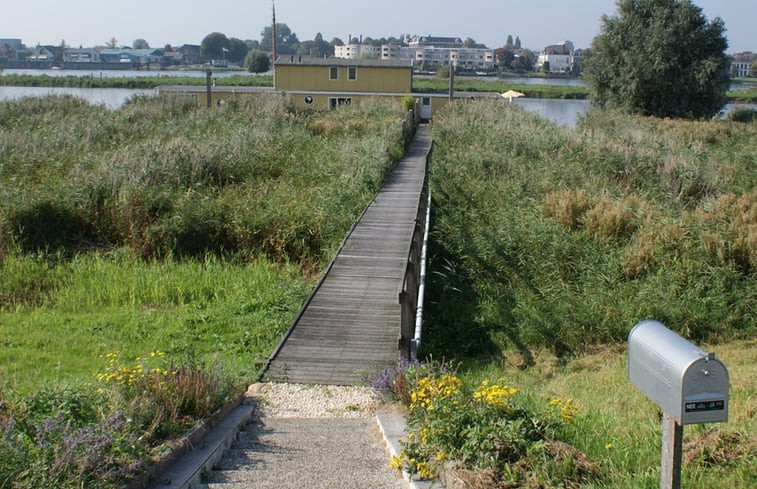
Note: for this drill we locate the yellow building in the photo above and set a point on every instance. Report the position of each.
(327, 83)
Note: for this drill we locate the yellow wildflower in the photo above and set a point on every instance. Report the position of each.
(424, 470)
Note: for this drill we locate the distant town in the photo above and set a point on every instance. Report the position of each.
(428, 53)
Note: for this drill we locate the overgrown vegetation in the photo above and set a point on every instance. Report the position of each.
(165, 179)
(92, 81)
(551, 243)
(546, 236)
(105, 434)
(169, 234)
(485, 433)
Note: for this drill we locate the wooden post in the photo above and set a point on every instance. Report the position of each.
(207, 87)
(672, 453)
(451, 81)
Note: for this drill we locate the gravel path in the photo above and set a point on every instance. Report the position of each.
(315, 401)
(310, 436)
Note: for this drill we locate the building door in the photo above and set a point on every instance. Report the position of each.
(426, 109)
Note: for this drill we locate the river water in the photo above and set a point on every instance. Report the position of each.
(112, 98)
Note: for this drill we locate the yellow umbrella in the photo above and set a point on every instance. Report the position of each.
(511, 94)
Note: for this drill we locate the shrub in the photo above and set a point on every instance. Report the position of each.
(58, 440)
(743, 114)
(408, 102)
(164, 398)
(47, 225)
(456, 431)
(568, 207)
(102, 437)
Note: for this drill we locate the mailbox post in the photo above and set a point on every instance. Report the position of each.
(689, 384)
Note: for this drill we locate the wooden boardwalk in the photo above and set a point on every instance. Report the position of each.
(350, 326)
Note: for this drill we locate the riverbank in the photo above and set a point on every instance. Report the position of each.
(420, 84)
(90, 80)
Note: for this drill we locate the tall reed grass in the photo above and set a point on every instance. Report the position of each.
(562, 237)
(164, 178)
(164, 225)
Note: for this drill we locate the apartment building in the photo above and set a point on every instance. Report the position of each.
(428, 53)
(742, 63)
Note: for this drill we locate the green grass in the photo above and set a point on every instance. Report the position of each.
(551, 243)
(165, 226)
(146, 82)
(620, 429)
(214, 311)
(500, 85)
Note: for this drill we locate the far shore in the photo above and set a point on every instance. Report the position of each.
(422, 83)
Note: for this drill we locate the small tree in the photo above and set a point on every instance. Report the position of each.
(660, 58)
(753, 69)
(257, 61)
(140, 44)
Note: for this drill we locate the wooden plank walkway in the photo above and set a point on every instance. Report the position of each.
(350, 326)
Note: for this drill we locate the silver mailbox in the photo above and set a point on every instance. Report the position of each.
(688, 384)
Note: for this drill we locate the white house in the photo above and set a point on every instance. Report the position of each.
(558, 56)
(742, 63)
(356, 51)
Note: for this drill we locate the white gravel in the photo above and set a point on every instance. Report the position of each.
(315, 401)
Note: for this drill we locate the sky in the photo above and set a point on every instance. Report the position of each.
(538, 23)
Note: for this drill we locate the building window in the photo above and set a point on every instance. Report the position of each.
(335, 102)
(333, 73)
(352, 73)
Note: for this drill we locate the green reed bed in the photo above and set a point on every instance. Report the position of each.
(151, 258)
(196, 221)
(547, 245)
(94, 80)
(472, 85)
(551, 236)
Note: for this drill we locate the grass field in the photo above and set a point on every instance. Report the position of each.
(619, 429)
(164, 229)
(162, 226)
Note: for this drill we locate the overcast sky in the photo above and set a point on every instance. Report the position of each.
(160, 22)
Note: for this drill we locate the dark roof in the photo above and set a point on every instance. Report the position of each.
(293, 60)
(431, 40)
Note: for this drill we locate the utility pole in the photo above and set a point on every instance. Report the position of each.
(273, 43)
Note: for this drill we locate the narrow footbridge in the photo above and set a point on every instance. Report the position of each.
(361, 316)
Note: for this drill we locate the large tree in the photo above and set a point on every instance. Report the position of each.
(317, 48)
(660, 58)
(286, 40)
(214, 45)
(140, 44)
(237, 50)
